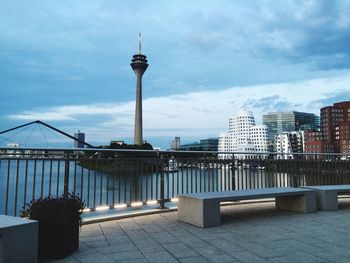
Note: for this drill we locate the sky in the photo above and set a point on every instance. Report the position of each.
(67, 63)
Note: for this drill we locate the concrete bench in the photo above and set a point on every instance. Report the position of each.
(327, 195)
(18, 239)
(203, 209)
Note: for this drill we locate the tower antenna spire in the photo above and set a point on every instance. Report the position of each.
(139, 42)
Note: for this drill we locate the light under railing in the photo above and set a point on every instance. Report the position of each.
(101, 208)
(136, 204)
(120, 206)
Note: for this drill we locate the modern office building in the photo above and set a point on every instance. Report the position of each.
(139, 65)
(334, 134)
(210, 144)
(279, 122)
(243, 137)
(175, 144)
(81, 137)
(289, 143)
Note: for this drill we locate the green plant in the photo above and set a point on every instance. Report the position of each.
(55, 210)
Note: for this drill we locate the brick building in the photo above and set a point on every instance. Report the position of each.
(334, 134)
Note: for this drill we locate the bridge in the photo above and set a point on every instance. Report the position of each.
(47, 126)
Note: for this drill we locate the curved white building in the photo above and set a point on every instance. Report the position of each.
(244, 136)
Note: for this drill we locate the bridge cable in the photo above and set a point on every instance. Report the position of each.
(25, 142)
(42, 133)
(7, 138)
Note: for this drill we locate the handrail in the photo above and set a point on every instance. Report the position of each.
(160, 151)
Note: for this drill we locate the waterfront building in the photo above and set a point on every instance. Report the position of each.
(287, 121)
(289, 143)
(175, 144)
(334, 134)
(226, 143)
(139, 65)
(335, 122)
(13, 145)
(244, 137)
(13, 152)
(81, 137)
(315, 143)
(210, 144)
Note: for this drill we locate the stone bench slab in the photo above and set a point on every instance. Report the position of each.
(203, 209)
(327, 195)
(18, 239)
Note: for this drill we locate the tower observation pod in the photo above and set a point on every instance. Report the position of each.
(139, 65)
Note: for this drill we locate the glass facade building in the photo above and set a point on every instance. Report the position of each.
(279, 122)
(210, 144)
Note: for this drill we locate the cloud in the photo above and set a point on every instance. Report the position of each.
(312, 32)
(201, 114)
(331, 97)
(270, 103)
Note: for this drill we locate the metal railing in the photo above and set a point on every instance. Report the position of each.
(106, 178)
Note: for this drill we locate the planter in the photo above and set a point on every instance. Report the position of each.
(59, 221)
(57, 241)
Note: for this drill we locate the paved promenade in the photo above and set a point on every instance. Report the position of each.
(249, 233)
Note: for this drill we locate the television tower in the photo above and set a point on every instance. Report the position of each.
(139, 65)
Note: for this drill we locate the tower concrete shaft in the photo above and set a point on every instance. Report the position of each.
(139, 65)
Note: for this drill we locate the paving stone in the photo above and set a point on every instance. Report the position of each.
(126, 255)
(129, 225)
(113, 232)
(137, 234)
(298, 256)
(300, 246)
(96, 244)
(138, 260)
(92, 238)
(178, 231)
(109, 224)
(160, 257)
(148, 245)
(69, 259)
(258, 249)
(90, 233)
(154, 228)
(97, 257)
(205, 235)
(180, 250)
(193, 241)
(213, 254)
(193, 260)
(228, 247)
(91, 227)
(117, 238)
(327, 256)
(164, 237)
(120, 247)
(84, 250)
(248, 256)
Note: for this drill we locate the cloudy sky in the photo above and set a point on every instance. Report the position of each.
(68, 63)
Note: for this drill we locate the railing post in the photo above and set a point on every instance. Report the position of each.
(233, 173)
(66, 174)
(162, 168)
